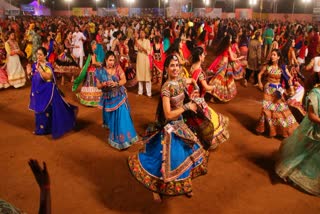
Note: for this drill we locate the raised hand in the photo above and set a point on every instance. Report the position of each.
(41, 174)
(28, 68)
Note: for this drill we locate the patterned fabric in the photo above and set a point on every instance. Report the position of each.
(89, 94)
(224, 85)
(3, 79)
(116, 111)
(276, 115)
(65, 62)
(36, 43)
(15, 71)
(235, 67)
(295, 104)
(128, 66)
(121, 129)
(173, 88)
(6, 208)
(219, 121)
(172, 156)
(222, 80)
(153, 183)
(299, 154)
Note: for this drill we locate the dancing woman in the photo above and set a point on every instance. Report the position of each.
(296, 92)
(53, 114)
(176, 49)
(15, 71)
(126, 63)
(3, 72)
(172, 156)
(114, 104)
(89, 94)
(158, 55)
(221, 71)
(65, 62)
(219, 121)
(276, 115)
(299, 156)
(236, 64)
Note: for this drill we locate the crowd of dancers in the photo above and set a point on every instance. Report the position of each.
(102, 56)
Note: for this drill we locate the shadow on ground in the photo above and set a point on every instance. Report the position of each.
(116, 188)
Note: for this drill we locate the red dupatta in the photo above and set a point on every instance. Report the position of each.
(195, 75)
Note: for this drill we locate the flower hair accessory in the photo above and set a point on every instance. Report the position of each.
(175, 58)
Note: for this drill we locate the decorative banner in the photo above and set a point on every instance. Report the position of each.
(186, 15)
(123, 11)
(316, 11)
(134, 11)
(261, 15)
(82, 11)
(208, 12)
(243, 13)
(231, 15)
(27, 8)
(151, 12)
(107, 12)
(12, 12)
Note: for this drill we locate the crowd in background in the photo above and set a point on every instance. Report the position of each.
(104, 55)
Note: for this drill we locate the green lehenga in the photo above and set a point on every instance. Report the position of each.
(299, 154)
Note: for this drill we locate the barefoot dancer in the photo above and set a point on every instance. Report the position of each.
(173, 155)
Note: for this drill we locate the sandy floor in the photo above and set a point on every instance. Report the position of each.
(88, 176)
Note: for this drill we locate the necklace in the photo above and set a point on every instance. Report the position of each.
(173, 82)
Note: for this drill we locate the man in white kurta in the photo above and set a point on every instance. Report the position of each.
(77, 40)
(143, 47)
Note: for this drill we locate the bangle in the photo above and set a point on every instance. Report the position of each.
(118, 84)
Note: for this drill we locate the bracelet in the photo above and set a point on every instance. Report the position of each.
(196, 88)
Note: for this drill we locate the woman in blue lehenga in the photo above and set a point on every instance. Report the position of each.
(172, 156)
(53, 115)
(299, 154)
(114, 104)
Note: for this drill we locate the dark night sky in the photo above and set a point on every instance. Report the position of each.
(284, 6)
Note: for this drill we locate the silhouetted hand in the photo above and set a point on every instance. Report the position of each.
(41, 175)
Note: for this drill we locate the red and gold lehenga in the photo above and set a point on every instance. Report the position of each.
(173, 155)
(222, 78)
(236, 66)
(3, 72)
(158, 60)
(219, 121)
(127, 66)
(276, 115)
(65, 63)
(296, 95)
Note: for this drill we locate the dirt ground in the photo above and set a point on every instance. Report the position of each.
(88, 176)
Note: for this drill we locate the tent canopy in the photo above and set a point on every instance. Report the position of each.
(7, 6)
